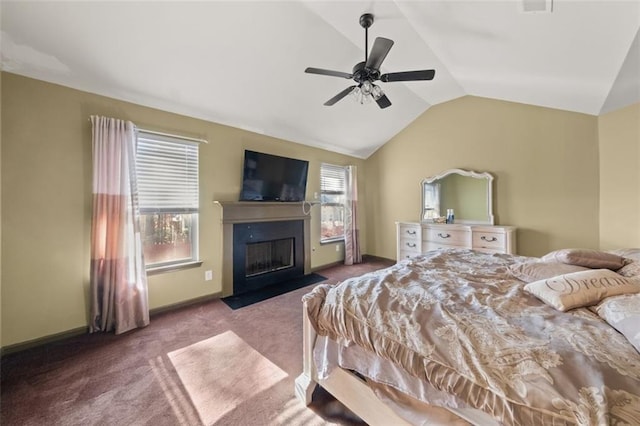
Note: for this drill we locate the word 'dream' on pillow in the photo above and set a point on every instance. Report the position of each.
(583, 288)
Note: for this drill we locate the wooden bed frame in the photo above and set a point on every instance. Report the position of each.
(354, 393)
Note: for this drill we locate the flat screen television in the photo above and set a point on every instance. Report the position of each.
(269, 177)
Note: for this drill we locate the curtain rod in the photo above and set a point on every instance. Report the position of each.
(169, 135)
(173, 136)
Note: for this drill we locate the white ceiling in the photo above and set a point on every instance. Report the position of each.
(242, 63)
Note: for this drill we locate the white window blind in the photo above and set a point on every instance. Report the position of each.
(167, 171)
(332, 179)
(332, 202)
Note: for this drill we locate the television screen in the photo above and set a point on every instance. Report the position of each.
(269, 177)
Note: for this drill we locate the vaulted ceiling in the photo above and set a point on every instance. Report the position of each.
(242, 63)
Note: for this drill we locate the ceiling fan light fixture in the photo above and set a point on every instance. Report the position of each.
(366, 92)
(359, 95)
(366, 87)
(376, 92)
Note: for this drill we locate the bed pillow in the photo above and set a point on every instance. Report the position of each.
(632, 255)
(535, 271)
(586, 257)
(630, 270)
(627, 253)
(582, 288)
(623, 314)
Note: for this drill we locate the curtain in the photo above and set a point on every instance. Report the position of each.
(351, 232)
(118, 281)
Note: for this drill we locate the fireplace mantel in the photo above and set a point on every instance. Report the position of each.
(237, 212)
(261, 211)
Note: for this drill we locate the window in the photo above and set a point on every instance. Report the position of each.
(332, 202)
(167, 170)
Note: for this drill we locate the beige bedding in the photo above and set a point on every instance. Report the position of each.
(460, 321)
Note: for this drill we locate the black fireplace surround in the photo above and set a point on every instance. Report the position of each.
(245, 234)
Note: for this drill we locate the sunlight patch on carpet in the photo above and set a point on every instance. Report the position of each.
(179, 402)
(222, 372)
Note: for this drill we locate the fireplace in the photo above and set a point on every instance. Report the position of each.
(265, 253)
(264, 244)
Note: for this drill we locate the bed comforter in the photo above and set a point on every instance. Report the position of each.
(459, 320)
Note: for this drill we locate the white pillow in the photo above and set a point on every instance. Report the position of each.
(630, 270)
(628, 253)
(623, 314)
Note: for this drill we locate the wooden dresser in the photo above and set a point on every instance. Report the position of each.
(415, 238)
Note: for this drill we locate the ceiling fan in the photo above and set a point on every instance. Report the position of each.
(365, 73)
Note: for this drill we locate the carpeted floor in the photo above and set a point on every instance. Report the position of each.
(167, 374)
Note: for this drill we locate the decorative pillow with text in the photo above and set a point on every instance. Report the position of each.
(582, 288)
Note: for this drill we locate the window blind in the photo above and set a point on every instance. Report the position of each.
(167, 170)
(332, 179)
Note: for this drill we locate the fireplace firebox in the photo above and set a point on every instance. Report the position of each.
(269, 256)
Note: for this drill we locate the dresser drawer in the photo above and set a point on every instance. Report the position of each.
(407, 254)
(409, 233)
(409, 245)
(489, 241)
(454, 237)
(428, 246)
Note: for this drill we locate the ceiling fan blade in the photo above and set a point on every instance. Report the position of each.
(339, 96)
(383, 101)
(408, 76)
(328, 72)
(379, 51)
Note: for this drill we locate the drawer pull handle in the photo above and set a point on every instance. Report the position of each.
(443, 236)
(492, 239)
(412, 245)
(411, 232)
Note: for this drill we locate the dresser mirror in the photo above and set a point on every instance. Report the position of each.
(468, 193)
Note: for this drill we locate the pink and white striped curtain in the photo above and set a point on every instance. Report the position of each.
(118, 281)
(351, 231)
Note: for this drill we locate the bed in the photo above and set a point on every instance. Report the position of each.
(457, 337)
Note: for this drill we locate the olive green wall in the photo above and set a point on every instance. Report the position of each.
(564, 179)
(619, 134)
(46, 195)
(544, 161)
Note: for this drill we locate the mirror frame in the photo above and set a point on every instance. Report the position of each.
(468, 173)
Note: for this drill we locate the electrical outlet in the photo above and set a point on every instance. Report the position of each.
(315, 195)
(337, 247)
(208, 275)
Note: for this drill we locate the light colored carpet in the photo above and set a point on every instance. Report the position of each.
(221, 373)
(128, 379)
